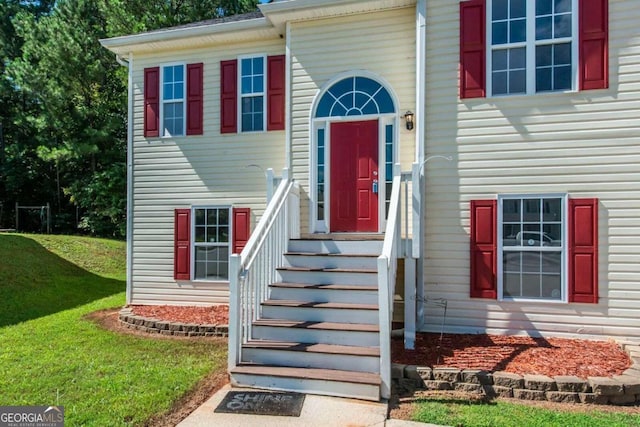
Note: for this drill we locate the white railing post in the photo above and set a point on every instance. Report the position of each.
(387, 269)
(385, 327)
(235, 312)
(270, 184)
(410, 261)
(416, 208)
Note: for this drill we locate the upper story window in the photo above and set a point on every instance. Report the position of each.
(173, 104)
(173, 100)
(533, 46)
(252, 93)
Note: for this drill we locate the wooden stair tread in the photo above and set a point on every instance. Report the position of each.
(329, 270)
(322, 254)
(313, 348)
(308, 304)
(303, 324)
(335, 287)
(309, 373)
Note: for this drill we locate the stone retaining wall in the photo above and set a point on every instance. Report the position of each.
(618, 390)
(165, 327)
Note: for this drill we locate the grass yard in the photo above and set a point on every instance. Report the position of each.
(472, 413)
(51, 355)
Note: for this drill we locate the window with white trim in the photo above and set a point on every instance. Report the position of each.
(532, 247)
(211, 228)
(173, 103)
(252, 93)
(533, 46)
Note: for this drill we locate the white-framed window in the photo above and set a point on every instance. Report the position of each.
(532, 247)
(211, 243)
(252, 86)
(533, 46)
(172, 112)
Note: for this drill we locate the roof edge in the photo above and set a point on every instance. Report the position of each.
(179, 33)
(290, 5)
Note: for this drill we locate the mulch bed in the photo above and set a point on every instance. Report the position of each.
(520, 355)
(215, 315)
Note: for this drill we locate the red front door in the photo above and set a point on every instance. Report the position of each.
(354, 168)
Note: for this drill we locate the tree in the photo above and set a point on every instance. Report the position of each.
(66, 100)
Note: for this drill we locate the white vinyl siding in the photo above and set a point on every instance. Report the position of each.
(203, 170)
(584, 144)
(382, 43)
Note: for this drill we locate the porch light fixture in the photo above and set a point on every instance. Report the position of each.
(408, 117)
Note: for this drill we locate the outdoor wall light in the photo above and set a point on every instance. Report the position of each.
(408, 117)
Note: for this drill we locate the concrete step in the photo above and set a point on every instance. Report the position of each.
(341, 383)
(320, 311)
(312, 355)
(317, 332)
(324, 293)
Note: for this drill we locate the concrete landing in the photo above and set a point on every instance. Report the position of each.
(317, 411)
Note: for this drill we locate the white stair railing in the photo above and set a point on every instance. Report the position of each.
(387, 269)
(252, 271)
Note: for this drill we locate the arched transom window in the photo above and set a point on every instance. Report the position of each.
(355, 96)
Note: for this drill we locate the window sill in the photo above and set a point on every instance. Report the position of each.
(210, 282)
(558, 93)
(534, 301)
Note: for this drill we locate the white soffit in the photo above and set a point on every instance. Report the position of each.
(283, 11)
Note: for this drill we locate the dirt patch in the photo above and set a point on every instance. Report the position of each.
(520, 355)
(182, 408)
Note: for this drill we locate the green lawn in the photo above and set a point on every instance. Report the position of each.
(49, 354)
(462, 413)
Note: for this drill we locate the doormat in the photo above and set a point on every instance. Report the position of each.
(262, 403)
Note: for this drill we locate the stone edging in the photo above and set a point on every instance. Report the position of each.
(619, 390)
(165, 327)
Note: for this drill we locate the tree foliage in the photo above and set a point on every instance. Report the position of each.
(63, 101)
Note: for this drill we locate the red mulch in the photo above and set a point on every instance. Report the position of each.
(521, 355)
(215, 315)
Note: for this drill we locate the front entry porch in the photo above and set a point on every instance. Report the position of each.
(313, 313)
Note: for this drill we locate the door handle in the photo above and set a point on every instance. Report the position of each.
(374, 188)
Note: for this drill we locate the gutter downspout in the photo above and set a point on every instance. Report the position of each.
(421, 114)
(129, 231)
(287, 118)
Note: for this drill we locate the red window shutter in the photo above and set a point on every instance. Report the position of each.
(182, 245)
(241, 228)
(594, 44)
(275, 92)
(484, 249)
(152, 102)
(229, 96)
(583, 250)
(472, 49)
(194, 99)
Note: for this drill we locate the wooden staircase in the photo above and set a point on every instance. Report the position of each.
(318, 331)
